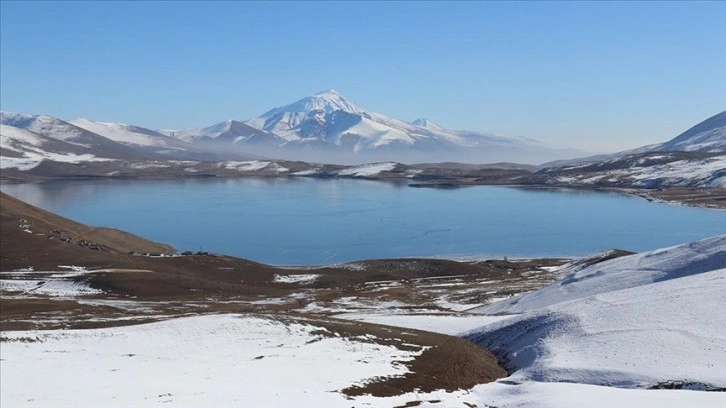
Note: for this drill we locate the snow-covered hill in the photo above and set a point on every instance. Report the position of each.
(130, 135)
(91, 143)
(647, 170)
(695, 158)
(640, 321)
(328, 127)
(707, 136)
(24, 150)
(115, 140)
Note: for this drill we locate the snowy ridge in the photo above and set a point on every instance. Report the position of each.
(367, 170)
(708, 136)
(696, 172)
(127, 134)
(43, 125)
(635, 322)
(622, 273)
(30, 149)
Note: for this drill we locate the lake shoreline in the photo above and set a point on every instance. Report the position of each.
(710, 198)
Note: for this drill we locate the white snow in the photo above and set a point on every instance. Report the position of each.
(567, 395)
(149, 165)
(367, 170)
(126, 134)
(213, 360)
(631, 322)
(30, 146)
(451, 324)
(44, 125)
(245, 165)
(48, 286)
(426, 123)
(328, 119)
(306, 172)
(303, 279)
(622, 273)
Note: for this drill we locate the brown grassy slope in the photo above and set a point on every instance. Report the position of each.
(16, 217)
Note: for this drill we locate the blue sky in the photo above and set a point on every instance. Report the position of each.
(599, 76)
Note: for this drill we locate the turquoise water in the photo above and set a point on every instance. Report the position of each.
(310, 221)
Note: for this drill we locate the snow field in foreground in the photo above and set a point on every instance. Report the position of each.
(213, 360)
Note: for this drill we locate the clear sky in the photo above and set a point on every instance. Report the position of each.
(599, 76)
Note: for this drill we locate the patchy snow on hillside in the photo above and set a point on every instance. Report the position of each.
(707, 172)
(30, 147)
(303, 279)
(33, 159)
(48, 286)
(602, 334)
(443, 323)
(309, 172)
(367, 170)
(244, 165)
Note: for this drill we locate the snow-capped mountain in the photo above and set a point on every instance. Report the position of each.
(330, 128)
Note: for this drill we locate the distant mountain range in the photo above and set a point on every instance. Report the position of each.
(324, 128)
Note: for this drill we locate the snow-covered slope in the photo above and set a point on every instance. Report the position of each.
(645, 320)
(650, 170)
(129, 134)
(707, 136)
(24, 150)
(426, 123)
(59, 129)
(157, 143)
(623, 273)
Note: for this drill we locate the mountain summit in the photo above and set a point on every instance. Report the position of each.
(331, 128)
(308, 117)
(426, 123)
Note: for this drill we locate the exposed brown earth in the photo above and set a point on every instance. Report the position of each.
(702, 197)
